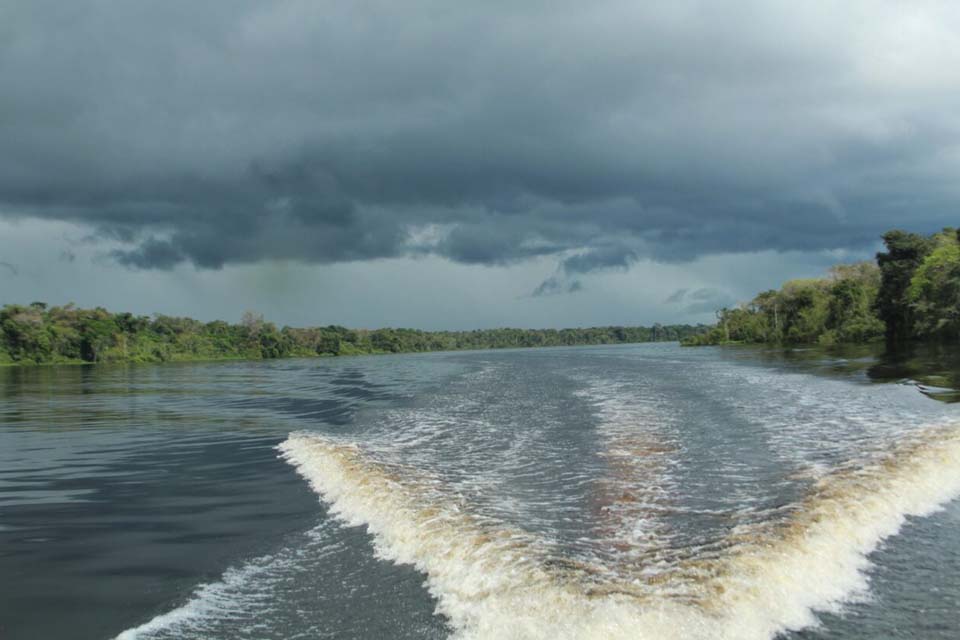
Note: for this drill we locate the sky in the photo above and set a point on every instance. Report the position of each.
(464, 165)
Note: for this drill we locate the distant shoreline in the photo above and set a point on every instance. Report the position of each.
(35, 334)
(325, 356)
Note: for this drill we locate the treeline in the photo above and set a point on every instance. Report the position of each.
(911, 293)
(38, 334)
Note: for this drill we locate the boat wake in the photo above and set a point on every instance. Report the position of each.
(494, 580)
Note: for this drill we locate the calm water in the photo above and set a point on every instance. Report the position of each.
(635, 491)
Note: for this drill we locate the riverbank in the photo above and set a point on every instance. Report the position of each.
(911, 293)
(37, 334)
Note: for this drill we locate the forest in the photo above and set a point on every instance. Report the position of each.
(910, 293)
(38, 334)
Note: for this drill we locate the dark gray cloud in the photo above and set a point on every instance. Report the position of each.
(702, 300)
(555, 285)
(11, 268)
(603, 257)
(614, 257)
(235, 131)
(676, 296)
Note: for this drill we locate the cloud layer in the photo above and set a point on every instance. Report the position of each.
(603, 133)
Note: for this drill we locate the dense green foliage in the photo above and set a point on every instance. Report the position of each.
(837, 308)
(905, 253)
(35, 334)
(933, 295)
(911, 293)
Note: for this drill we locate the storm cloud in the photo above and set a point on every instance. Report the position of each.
(699, 301)
(603, 133)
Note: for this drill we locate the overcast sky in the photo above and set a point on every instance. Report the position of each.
(451, 164)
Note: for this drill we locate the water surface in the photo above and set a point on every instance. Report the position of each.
(640, 491)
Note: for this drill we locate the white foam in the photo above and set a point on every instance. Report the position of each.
(213, 601)
(241, 599)
(493, 581)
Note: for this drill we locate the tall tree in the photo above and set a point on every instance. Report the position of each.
(905, 253)
(934, 292)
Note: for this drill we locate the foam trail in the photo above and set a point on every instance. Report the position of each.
(492, 581)
(817, 558)
(270, 592)
(241, 595)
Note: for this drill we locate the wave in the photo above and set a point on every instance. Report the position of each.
(242, 597)
(492, 580)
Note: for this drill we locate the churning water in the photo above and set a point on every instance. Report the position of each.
(646, 492)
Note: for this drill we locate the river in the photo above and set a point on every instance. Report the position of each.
(635, 491)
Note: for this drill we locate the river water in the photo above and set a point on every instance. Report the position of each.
(640, 491)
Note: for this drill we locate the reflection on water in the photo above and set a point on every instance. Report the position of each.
(932, 368)
(121, 487)
(935, 369)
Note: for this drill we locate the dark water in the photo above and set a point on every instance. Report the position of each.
(151, 501)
